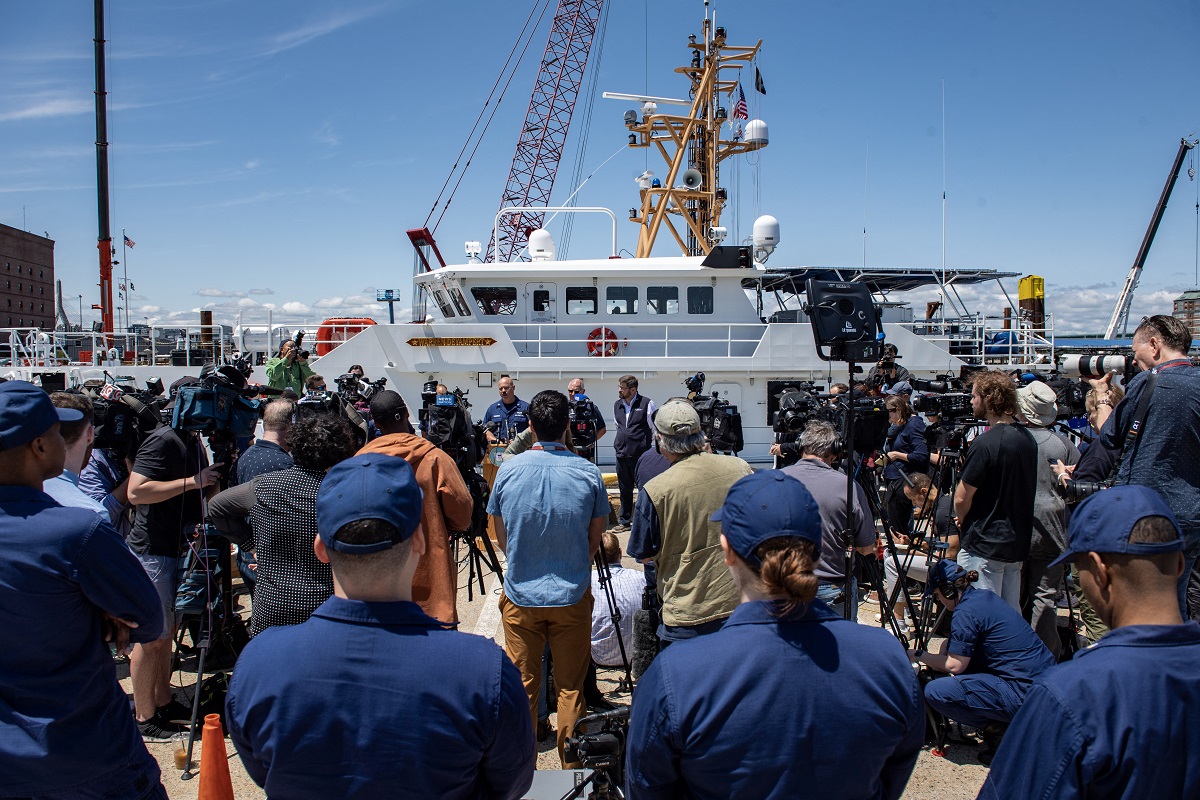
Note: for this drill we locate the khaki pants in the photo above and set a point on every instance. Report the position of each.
(569, 631)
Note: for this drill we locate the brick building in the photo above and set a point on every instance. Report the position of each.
(1187, 308)
(26, 280)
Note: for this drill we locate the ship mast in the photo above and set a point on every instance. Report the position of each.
(693, 148)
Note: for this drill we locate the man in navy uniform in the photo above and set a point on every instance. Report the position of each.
(787, 699)
(1122, 719)
(68, 584)
(370, 697)
(632, 413)
(508, 416)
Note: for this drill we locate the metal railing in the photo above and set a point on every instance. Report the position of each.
(648, 340)
(992, 340)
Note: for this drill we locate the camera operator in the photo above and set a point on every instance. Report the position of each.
(938, 508)
(289, 370)
(887, 372)
(631, 414)
(291, 581)
(1165, 455)
(446, 507)
(992, 656)
(820, 445)
(1038, 408)
(506, 417)
(1121, 718)
(105, 479)
(786, 448)
(787, 699)
(906, 450)
(169, 474)
(671, 525)
(370, 698)
(995, 496)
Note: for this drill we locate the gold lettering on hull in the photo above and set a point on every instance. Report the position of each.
(451, 341)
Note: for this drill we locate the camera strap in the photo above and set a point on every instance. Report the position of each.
(1134, 432)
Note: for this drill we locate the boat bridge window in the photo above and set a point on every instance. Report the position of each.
(443, 303)
(582, 300)
(622, 300)
(541, 300)
(662, 299)
(493, 300)
(700, 299)
(460, 303)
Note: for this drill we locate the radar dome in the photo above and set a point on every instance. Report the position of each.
(541, 245)
(756, 133)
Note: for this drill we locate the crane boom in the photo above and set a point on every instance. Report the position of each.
(1119, 322)
(544, 130)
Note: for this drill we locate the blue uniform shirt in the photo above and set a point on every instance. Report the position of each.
(770, 708)
(1119, 721)
(987, 630)
(261, 458)
(65, 723)
(378, 700)
(508, 420)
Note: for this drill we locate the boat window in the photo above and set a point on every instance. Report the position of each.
(460, 302)
(541, 300)
(443, 303)
(582, 300)
(662, 299)
(700, 299)
(493, 300)
(622, 300)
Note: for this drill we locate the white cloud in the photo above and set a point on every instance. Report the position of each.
(50, 107)
(252, 164)
(294, 307)
(313, 30)
(262, 291)
(219, 293)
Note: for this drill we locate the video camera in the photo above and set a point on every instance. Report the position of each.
(598, 742)
(355, 390)
(446, 422)
(798, 403)
(124, 415)
(949, 406)
(220, 402)
(582, 413)
(1069, 395)
(719, 419)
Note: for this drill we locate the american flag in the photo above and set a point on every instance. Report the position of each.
(739, 108)
(129, 242)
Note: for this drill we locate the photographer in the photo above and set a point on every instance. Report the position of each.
(446, 507)
(289, 370)
(928, 504)
(887, 372)
(1165, 455)
(786, 700)
(906, 450)
(995, 496)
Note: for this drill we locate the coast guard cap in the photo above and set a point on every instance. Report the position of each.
(767, 505)
(26, 413)
(1102, 523)
(677, 418)
(943, 572)
(370, 486)
(900, 387)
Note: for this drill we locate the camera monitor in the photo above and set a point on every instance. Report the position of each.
(844, 319)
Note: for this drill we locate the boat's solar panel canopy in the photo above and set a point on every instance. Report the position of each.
(882, 280)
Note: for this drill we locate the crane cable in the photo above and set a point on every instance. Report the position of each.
(523, 40)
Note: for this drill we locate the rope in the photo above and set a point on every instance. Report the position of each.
(525, 35)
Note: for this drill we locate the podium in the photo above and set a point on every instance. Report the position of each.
(491, 465)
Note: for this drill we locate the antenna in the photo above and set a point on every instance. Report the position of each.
(943, 194)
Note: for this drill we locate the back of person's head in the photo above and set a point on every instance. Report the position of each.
(1171, 331)
(389, 412)
(820, 439)
(278, 414)
(368, 508)
(611, 547)
(320, 439)
(677, 428)
(73, 431)
(549, 414)
(920, 482)
(997, 390)
(771, 523)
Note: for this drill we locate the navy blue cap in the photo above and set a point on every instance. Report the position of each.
(766, 505)
(1102, 523)
(370, 486)
(26, 413)
(943, 572)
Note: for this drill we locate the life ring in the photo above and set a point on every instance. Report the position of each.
(603, 342)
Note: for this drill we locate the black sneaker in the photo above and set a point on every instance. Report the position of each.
(176, 712)
(157, 729)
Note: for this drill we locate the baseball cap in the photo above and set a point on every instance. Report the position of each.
(765, 505)
(943, 572)
(370, 486)
(900, 387)
(387, 405)
(26, 413)
(677, 418)
(1102, 523)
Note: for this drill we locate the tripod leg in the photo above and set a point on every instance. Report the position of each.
(205, 638)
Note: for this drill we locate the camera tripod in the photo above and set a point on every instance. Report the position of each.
(601, 779)
(604, 574)
(476, 559)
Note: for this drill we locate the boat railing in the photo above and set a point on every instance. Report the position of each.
(640, 339)
(992, 340)
(144, 345)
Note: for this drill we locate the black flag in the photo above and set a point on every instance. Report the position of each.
(758, 82)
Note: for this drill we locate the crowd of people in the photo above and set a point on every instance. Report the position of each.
(756, 682)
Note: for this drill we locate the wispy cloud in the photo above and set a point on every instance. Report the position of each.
(49, 107)
(326, 135)
(259, 197)
(219, 293)
(262, 291)
(314, 30)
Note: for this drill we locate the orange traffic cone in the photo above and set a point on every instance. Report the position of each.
(215, 783)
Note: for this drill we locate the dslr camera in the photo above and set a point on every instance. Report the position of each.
(298, 340)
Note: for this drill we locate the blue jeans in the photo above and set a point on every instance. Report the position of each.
(827, 592)
(975, 700)
(1000, 577)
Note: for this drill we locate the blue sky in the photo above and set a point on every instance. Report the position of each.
(272, 153)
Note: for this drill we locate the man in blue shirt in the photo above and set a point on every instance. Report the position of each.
(786, 700)
(68, 585)
(508, 416)
(549, 507)
(1122, 719)
(370, 697)
(78, 436)
(992, 656)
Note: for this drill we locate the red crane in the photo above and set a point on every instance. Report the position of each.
(544, 131)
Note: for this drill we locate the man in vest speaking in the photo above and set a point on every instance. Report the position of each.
(633, 413)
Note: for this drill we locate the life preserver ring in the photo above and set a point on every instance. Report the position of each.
(603, 342)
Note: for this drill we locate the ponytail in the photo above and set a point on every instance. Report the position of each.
(787, 569)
